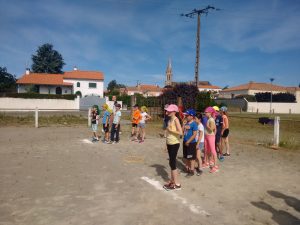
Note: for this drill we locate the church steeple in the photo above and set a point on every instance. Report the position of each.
(169, 74)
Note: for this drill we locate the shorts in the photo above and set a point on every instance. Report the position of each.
(189, 152)
(201, 146)
(94, 127)
(141, 125)
(105, 129)
(134, 125)
(225, 133)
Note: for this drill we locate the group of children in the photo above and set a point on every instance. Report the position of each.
(110, 123)
(139, 118)
(204, 139)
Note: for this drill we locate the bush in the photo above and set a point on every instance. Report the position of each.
(279, 97)
(39, 96)
(187, 92)
(204, 100)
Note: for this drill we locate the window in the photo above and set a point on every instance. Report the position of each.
(92, 85)
(66, 91)
(78, 84)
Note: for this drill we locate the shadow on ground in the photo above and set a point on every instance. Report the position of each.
(280, 216)
(161, 171)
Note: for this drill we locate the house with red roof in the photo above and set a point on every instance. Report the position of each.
(252, 88)
(78, 82)
(146, 90)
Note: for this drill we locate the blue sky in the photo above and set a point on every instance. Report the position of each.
(131, 40)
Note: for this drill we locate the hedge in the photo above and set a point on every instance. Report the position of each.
(278, 97)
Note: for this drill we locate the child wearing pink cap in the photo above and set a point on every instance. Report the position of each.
(173, 142)
(209, 139)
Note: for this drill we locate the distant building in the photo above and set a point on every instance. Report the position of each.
(78, 82)
(252, 88)
(202, 85)
(169, 74)
(146, 90)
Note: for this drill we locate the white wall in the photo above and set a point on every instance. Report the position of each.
(264, 107)
(209, 89)
(22, 103)
(84, 87)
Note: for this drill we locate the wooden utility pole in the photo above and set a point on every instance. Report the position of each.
(198, 12)
(197, 52)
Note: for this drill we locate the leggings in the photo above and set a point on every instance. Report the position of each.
(209, 143)
(173, 150)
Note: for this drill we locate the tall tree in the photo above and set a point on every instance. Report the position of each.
(7, 80)
(112, 85)
(47, 60)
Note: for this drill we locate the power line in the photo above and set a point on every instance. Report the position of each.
(198, 12)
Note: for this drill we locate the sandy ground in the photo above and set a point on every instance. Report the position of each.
(57, 176)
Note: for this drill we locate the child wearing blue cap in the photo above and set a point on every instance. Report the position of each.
(189, 141)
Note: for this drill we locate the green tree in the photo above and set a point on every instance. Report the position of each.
(7, 80)
(113, 85)
(187, 92)
(47, 60)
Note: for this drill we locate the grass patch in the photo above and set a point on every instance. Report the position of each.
(29, 120)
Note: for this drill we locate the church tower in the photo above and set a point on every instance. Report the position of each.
(169, 74)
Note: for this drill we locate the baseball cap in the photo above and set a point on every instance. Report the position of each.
(172, 108)
(223, 109)
(209, 110)
(216, 108)
(190, 112)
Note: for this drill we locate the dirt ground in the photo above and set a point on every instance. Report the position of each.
(57, 176)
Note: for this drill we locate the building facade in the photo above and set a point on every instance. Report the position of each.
(251, 88)
(83, 83)
(146, 90)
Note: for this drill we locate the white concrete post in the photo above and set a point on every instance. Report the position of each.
(276, 130)
(36, 117)
(89, 118)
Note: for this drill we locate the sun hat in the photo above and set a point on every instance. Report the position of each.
(223, 109)
(190, 112)
(216, 108)
(172, 108)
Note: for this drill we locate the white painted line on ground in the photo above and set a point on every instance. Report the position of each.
(86, 141)
(193, 208)
(153, 182)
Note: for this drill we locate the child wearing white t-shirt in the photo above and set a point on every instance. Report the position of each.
(142, 124)
(200, 143)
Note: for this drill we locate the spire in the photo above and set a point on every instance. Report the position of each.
(169, 73)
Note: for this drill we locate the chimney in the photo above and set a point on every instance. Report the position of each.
(27, 71)
(75, 68)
